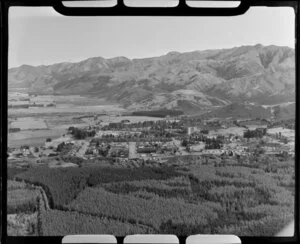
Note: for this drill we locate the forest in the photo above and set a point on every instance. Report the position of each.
(194, 195)
(158, 113)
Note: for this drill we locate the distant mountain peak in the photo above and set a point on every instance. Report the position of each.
(172, 53)
(190, 80)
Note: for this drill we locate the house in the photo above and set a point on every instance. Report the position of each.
(125, 121)
(12, 130)
(192, 129)
(218, 152)
(198, 147)
(146, 149)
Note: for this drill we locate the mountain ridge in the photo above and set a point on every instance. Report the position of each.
(186, 81)
(141, 58)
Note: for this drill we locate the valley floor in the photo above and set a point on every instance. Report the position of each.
(108, 172)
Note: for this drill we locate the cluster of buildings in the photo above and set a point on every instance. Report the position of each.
(157, 140)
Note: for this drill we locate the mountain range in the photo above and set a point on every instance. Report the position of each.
(192, 81)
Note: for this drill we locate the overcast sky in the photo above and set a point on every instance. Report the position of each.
(42, 36)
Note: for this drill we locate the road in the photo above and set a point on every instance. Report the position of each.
(132, 150)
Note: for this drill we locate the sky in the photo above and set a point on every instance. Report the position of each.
(41, 36)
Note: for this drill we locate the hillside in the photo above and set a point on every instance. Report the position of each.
(285, 111)
(193, 81)
(240, 110)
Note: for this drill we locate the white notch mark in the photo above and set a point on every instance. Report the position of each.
(97, 239)
(151, 3)
(90, 4)
(212, 4)
(150, 238)
(213, 239)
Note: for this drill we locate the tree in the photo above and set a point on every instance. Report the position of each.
(284, 140)
(258, 150)
(60, 147)
(184, 143)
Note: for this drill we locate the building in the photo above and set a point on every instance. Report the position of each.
(198, 147)
(192, 129)
(217, 152)
(144, 150)
(12, 130)
(125, 121)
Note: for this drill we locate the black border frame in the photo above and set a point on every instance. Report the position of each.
(121, 10)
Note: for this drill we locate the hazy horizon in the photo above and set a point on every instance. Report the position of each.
(76, 61)
(81, 38)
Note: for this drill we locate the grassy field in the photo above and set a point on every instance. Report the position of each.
(39, 123)
(29, 123)
(33, 138)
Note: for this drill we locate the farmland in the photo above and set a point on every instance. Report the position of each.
(48, 116)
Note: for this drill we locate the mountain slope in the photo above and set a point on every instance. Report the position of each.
(186, 81)
(240, 110)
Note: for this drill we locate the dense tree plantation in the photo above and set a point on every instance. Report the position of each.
(150, 212)
(20, 198)
(63, 185)
(56, 222)
(158, 113)
(195, 195)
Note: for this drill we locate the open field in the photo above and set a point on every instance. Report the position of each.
(58, 104)
(33, 138)
(38, 123)
(35, 130)
(62, 109)
(284, 132)
(29, 123)
(231, 130)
